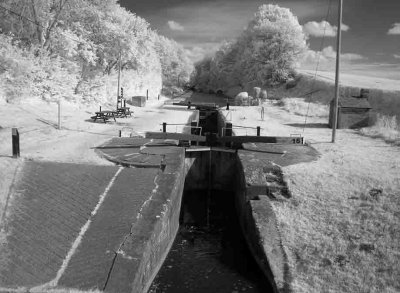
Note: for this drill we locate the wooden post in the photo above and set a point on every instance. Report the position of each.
(228, 129)
(194, 131)
(227, 106)
(147, 94)
(258, 130)
(158, 96)
(228, 132)
(100, 108)
(59, 114)
(189, 103)
(164, 127)
(15, 143)
(124, 103)
(120, 133)
(262, 113)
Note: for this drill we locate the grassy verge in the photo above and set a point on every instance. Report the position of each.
(300, 107)
(340, 228)
(386, 127)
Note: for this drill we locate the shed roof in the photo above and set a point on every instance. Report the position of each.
(353, 102)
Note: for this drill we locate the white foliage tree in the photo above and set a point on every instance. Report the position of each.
(86, 39)
(270, 45)
(264, 54)
(175, 64)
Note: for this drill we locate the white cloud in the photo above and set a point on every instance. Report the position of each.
(175, 26)
(197, 53)
(396, 56)
(395, 30)
(327, 58)
(319, 29)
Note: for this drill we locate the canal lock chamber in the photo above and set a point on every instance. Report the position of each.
(210, 252)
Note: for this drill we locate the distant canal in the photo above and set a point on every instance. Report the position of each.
(209, 254)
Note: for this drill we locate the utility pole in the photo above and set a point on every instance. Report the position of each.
(338, 49)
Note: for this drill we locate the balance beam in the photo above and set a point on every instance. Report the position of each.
(176, 136)
(264, 139)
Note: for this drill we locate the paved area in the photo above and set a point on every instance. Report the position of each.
(71, 225)
(93, 262)
(262, 165)
(50, 204)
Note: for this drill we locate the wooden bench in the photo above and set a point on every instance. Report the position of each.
(123, 112)
(104, 115)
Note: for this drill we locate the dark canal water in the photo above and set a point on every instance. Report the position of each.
(209, 253)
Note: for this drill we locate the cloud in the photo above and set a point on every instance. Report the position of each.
(396, 56)
(329, 52)
(323, 28)
(395, 30)
(197, 53)
(326, 59)
(175, 26)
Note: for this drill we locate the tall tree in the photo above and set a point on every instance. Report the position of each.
(270, 46)
(264, 54)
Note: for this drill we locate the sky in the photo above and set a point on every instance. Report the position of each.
(370, 31)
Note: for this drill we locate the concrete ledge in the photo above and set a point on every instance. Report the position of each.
(259, 223)
(267, 236)
(146, 247)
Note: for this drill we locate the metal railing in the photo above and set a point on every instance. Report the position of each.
(258, 129)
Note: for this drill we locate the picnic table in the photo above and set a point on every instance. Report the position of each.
(123, 112)
(104, 115)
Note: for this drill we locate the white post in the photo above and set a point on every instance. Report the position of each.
(119, 75)
(59, 114)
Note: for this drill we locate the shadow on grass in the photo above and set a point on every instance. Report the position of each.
(309, 125)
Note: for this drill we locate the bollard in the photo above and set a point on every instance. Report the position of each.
(258, 130)
(120, 133)
(15, 143)
(100, 108)
(147, 94)
(124, 103)
(189, 103)
(227, 106)
(164, 127)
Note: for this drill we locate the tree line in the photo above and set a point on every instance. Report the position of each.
(45, 44)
